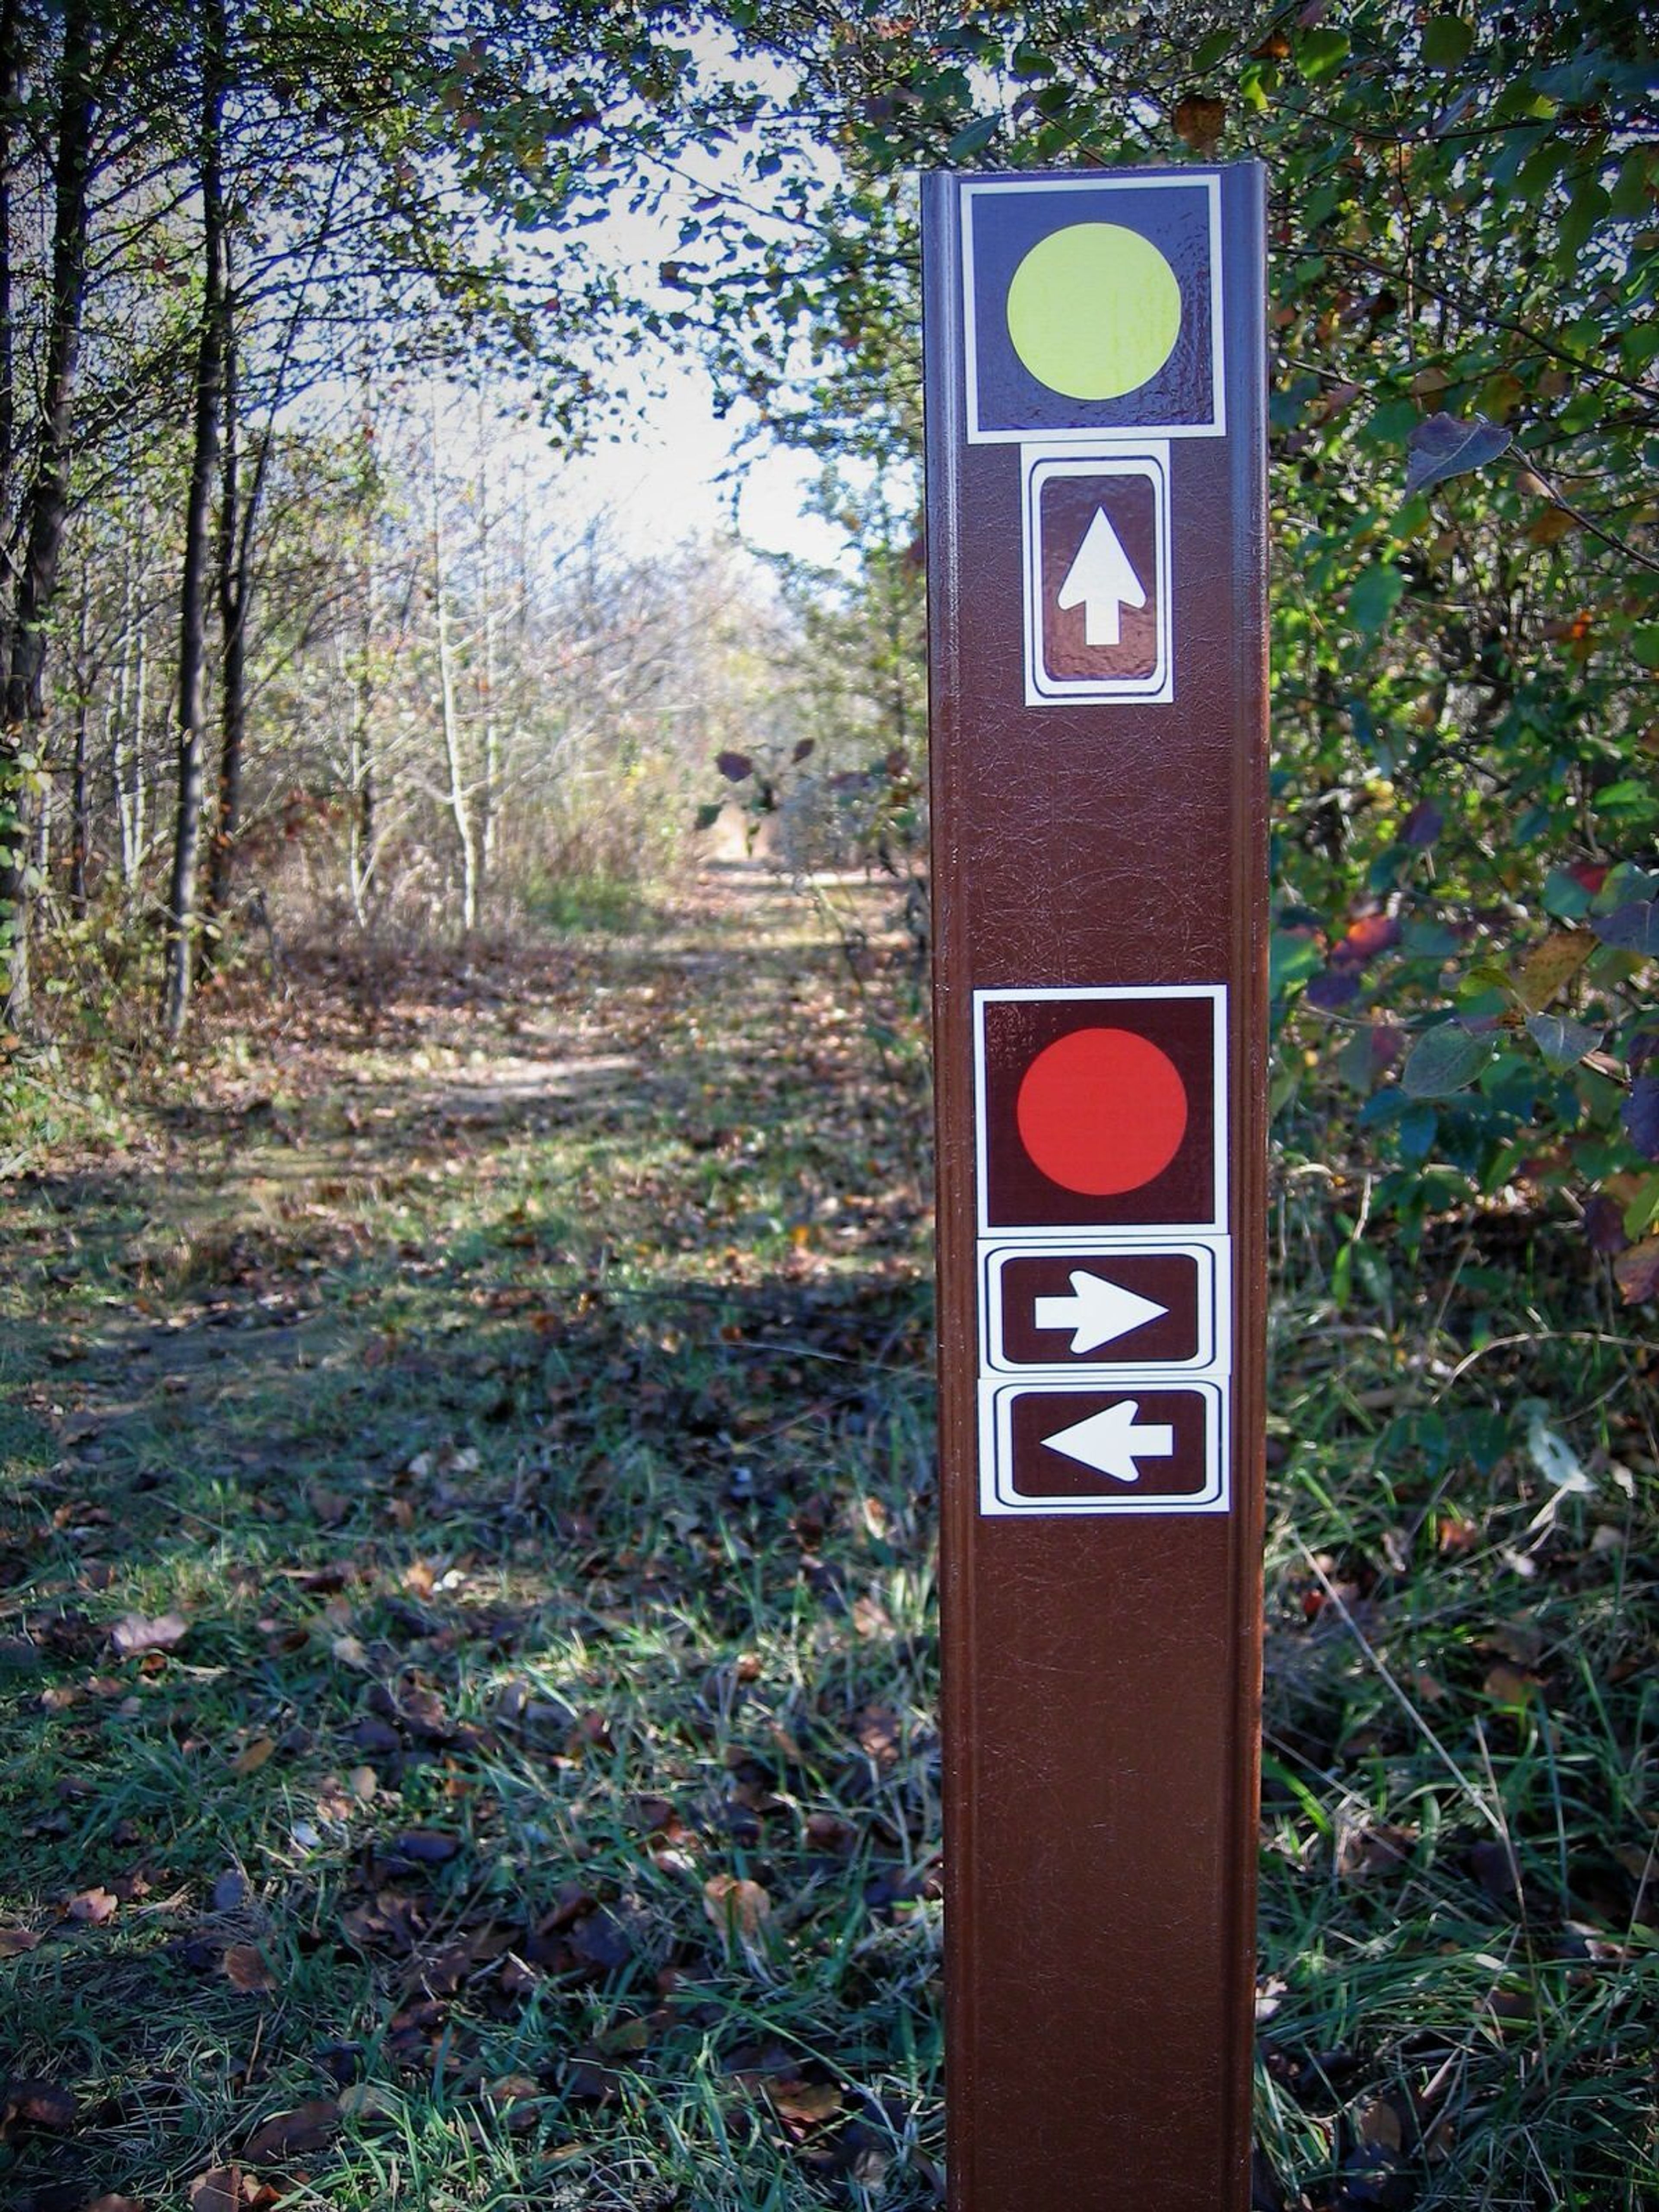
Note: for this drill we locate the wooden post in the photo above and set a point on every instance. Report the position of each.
(1096, 443)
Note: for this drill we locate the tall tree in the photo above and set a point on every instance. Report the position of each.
(45, 508)
(212, 348)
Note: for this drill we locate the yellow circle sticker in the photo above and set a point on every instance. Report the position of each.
(1094, 311)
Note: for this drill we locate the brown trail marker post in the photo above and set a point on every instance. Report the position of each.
(1094, 375)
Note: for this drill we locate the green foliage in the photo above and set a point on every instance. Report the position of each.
(1464, 315)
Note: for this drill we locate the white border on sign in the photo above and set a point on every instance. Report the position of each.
(1214, 1259)
(997, 1494)
(1038, 464)
(1008, 1232)
(1213, 426)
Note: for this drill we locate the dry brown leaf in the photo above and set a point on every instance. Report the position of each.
(42, 2104)
(1199, 121)
(808, 2102)
(1508, 1686)
(253, 1756)
(136, 1633)
(1379, 2124)
(1636, 1271)
(93, 1906)
(1549, 967)
(350, 1651)
(115, 2203)
(368, 2101)
(736, 1906)
(14, 1942)
(1363, 1852)
(218, 2190)
(247, 1968)
(363, 1782)
(289, 2135)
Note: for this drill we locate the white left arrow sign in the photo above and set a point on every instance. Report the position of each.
(1114, 1441)
(1096, 1311)
(1102, 581)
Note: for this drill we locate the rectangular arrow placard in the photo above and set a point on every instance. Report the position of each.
(1096, 529)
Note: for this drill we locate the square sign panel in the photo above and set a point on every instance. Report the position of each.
(1101, 1110)
(1141, 1445)
(1093, 308)
(1096, 546)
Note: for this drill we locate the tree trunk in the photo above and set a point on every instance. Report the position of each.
(48, 496)
(181, 926)
(459, 794)
(80, 799)
(235, 571)
(365, 826)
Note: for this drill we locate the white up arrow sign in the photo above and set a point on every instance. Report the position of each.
(1111, 1442)
(1097, 1311)
(1103, 582)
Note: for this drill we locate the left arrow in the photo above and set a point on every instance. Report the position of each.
(1102, 581)
(1114, 1442)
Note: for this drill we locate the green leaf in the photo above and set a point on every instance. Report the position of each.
(1320, 51)
(709, 814)
(1447, 41)
(1563, 1043)
(1565, 896)
(1292, 955)
(1443, 447)
(1633, 928)
(1376, 594)
(1414, 1132)
(1644, 644)
(1444, 1060)
(1589, 204)
(974, 139)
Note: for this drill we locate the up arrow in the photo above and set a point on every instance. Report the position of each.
(1102, 580)
(1097, 1311)
(1111, 1442)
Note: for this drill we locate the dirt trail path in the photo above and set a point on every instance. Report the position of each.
(493, 1396)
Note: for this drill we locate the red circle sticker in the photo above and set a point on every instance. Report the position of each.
(1102, 1111)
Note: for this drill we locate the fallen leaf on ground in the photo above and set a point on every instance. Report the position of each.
(135, 1632)
(218, 2190)
(736, 1906)
(115, 2203)
(253, 1756)
(805, 2102)
(1363, 1851)
(1379, 2124)
(427, 1847)
(245, 1965)
(14, 1942)
(368, 2101)
(515, 2097)
(287, 2134)
(93, 1906)
(38, 2104)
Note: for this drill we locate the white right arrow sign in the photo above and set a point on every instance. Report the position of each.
(1096, 1311)
(1113, 1442)
(1102, 581)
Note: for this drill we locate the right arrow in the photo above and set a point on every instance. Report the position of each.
(1111, 1442)
(1097, 1311)
(1102, 580)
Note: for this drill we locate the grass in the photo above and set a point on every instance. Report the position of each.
(516, 1379)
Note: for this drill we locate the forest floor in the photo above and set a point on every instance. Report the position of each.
(467, 1638)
